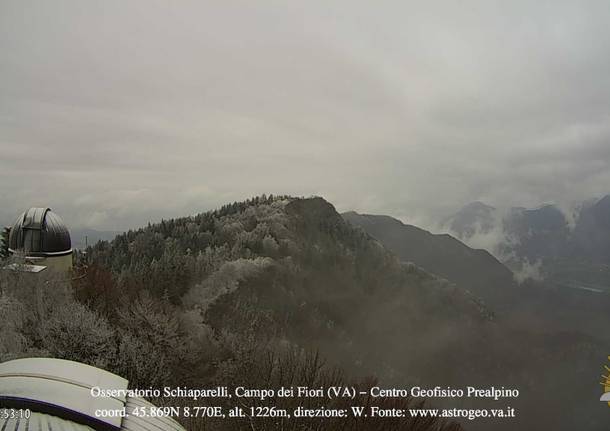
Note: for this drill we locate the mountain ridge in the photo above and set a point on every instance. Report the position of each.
(559, 246)
(476, 270)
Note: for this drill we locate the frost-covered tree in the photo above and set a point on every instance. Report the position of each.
(77, 333)
(13, 343)
(4, 236)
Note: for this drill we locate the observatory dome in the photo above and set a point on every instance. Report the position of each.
(39, 232)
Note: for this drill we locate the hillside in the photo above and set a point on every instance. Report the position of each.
(315, 279)
(516, 307)
(264, 284)
(443, 255)
(215, 295)
(294, 268)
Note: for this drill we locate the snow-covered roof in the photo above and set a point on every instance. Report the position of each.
(62, 389)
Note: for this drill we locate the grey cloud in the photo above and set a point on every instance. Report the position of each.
(120, 112)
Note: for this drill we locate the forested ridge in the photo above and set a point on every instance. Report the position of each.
(274, 283)
(292, 265)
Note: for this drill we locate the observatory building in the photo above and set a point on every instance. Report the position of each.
(40, 239)
(46, 394)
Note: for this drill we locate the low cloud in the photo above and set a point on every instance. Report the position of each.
(528, 271)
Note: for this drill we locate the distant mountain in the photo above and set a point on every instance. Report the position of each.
(541, 233)
(592, 232)
(84, 236)
(571, 252)
(474, 217)
(444, 255)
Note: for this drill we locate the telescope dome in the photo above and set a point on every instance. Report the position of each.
(40, 232)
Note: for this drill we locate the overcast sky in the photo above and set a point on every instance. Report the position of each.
(115, 113)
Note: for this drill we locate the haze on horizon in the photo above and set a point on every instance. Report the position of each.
(115, 113)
